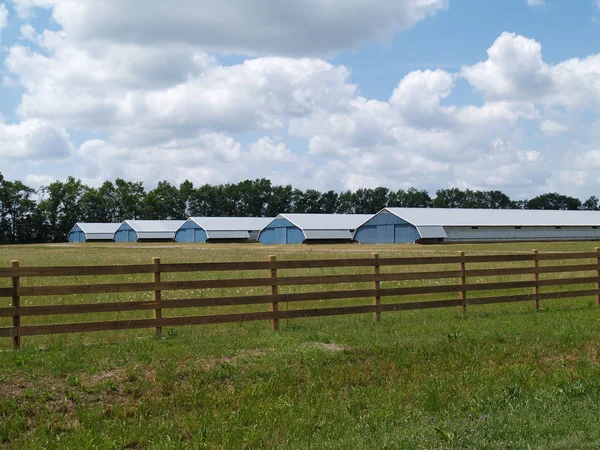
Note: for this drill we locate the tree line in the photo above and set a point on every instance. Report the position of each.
(47, 214)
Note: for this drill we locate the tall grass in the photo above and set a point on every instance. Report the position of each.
(503, 376)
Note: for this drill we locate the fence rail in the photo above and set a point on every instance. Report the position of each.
(273, 282)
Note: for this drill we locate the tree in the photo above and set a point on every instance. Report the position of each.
(346, 204)
(128, 200)
(280, 200)
(412, 198)
(18, 213)
(591, 204)
(553, 200)
(449, 198)
(164, 203)
(186, 190)
(61, 207)
(369, 201)
(329, 202)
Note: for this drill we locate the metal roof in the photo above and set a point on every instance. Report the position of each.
(155, 226)
(227, 234)
(328, 234)
(98, 228)
(231, 223)
(326, 221)
(432, 232)
(463, 217)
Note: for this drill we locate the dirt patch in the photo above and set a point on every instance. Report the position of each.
(331, 346)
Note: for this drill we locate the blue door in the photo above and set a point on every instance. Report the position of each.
(281, 235)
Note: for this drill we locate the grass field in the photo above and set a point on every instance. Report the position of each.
(503, 376)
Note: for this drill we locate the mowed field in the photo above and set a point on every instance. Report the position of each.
(502, 376)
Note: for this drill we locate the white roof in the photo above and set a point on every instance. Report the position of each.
(98, 228)
(155, 226)
(231, 223)
(326, 221)
(463, 217)
(328, 234)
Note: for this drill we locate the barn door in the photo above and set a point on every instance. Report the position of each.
(281, 235)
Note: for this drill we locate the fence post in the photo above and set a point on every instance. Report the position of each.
(16, 303)
(157, 294)
(376, 286)
(273, 288)
(462, 295)
(536, 278)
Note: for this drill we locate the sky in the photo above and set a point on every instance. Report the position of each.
(321, 94)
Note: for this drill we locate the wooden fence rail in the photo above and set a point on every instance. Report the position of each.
(470, 283)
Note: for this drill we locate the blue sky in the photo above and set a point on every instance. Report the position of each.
(325, 94)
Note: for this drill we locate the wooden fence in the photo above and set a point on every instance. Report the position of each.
(382, 270)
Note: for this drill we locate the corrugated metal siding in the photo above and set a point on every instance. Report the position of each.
(74, 234)
(463, 217)
(126, 234)
(326, 221)
(386, 228)
(432, 232)
(457, 234)
(328, 234)
(162, 235)
(190, 231)
(99, 236)
(281, 231)
(228, 234)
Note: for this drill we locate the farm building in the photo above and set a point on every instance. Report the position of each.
(83, 232)
(147, 230)
(430, 225)
(311, 228)
(202, 229)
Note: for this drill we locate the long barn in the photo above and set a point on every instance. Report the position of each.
(147, 230)
(214, 229)
(431, 225)
(85, 232)
(311, 228)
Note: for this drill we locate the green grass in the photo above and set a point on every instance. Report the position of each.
(503, 376)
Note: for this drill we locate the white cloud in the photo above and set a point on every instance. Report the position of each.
(166, 109)
(293, 27)
(553, 128)
(3, 18)
(515, 70)
(28, 33)
(204, 158)
(536, 3)
(268, 150)
(34, 140)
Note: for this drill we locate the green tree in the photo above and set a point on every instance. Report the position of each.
(163, 203)
(19, 221)
(280, 200)
(128, 200)
(591, 204)
(554, 200)
(61, 207)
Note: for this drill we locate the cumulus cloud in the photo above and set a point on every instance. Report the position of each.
(515, 70)
(165, 108)
(553, 128)
(293, 27)
(3, 18)
(34, 140)
(204, 158)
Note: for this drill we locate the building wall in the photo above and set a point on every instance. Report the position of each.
(126, 234)
(386, 228)
(281, 231)
(190, 232)
(76, 235)
(457, 234)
